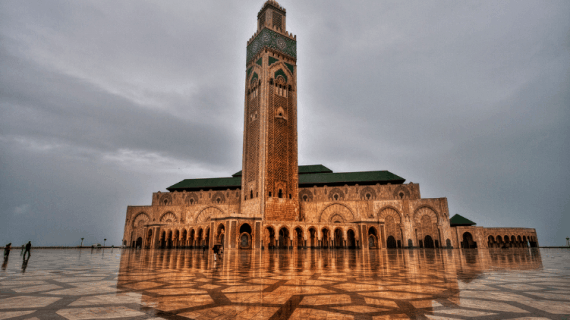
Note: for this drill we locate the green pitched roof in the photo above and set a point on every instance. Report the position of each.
(314, 168)
(207, 184)
(309, 176)
(342, 178)
(458, 220)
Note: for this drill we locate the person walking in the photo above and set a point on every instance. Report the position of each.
(7, 250)
(28, 247)
(203, 248)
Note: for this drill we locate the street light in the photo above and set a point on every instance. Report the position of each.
(567, 242)
(82, 241)
(104, 240)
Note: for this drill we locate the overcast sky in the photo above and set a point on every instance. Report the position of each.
(104, 102)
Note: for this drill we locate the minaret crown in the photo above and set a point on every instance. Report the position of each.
(271, 15)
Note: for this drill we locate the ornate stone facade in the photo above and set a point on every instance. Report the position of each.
(273, 202)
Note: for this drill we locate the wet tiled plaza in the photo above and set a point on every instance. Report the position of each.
(287, 284)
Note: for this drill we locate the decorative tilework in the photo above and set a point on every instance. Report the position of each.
(271, 39)
(281, 73)
(290, 67)
(272, 60)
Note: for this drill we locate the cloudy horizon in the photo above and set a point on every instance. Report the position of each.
(103, 103)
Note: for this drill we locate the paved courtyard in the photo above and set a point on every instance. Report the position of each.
(287, 284)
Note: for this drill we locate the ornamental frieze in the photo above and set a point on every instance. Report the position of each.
(271, 39)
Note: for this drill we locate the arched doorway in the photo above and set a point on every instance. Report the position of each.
(200, 238)
(490, 242)
(350, 239)
(245, 236)
(163, 240)
(269, 238)
(148, 238)
(391, 242)
(169, 240)
(299, 238)
(176, 239)
(468, 242)
(191, 239)
(338, 240)
(428, 242)
(325, 239)
(312, 237)
(139, 242)
(284, 239)
(184, 243)
(372, 238)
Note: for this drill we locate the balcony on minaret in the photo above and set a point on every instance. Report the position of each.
(272, 15)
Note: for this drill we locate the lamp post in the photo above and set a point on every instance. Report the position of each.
(82, 242)
(567, 242)
(104, 240)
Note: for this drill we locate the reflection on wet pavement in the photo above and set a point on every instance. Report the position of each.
(288, 284)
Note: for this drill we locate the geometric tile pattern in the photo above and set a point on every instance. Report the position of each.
(288, 284)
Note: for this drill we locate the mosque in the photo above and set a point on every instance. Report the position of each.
(274, 202)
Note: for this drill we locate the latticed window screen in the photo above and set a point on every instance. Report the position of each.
(262, 20)
(277, 20)
(252, 141)
(280, 142)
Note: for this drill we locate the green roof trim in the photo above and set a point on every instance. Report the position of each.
(206, 184)
(260, 62)
(314, 168)
(272, 60)
(342, 178)
(290, 67)
(254, 76)
(309, 176)
(249, 71)
(280, 73)
(458, 220)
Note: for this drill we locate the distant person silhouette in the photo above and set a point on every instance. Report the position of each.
(28, 247)
(203, 248)
(7, 250)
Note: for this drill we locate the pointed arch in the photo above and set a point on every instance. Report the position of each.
(207, 213)
(336, 209)
(401, 192)
(140, 219)
(165, 199)
(168, 217)
(426, 210)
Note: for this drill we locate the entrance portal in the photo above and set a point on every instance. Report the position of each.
(391, 242)
(428, 242)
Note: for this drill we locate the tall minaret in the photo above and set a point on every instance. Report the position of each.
(269, 170)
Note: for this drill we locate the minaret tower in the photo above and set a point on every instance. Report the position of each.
(269, 170)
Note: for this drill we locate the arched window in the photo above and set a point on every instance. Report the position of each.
(280, 194)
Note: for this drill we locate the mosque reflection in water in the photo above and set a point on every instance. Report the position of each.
(283, 284)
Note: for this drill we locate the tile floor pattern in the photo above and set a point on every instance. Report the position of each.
(288, 284)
